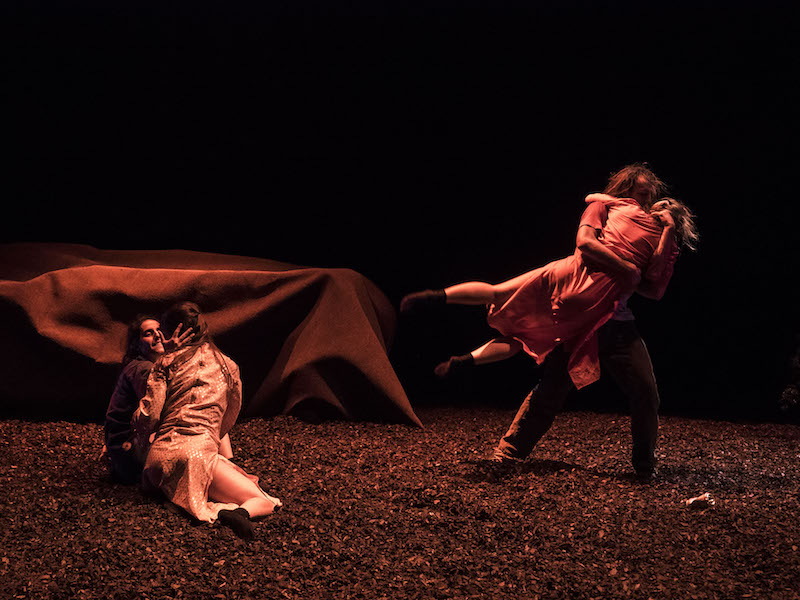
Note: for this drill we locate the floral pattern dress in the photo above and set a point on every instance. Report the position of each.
(193, 399)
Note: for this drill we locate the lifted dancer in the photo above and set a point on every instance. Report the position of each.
(572, 314)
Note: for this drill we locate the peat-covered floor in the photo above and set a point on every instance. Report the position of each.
(388, 511)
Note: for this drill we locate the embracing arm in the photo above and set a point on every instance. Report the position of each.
(130, 388)
(146, 418)
(232, 409)
(662, 263)
(598, 256)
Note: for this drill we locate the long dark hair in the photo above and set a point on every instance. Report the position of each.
(133, 349)
(621, 183)
(189, 315)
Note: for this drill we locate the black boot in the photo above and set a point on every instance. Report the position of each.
(455, 366)
(237, 519)
(421, 300)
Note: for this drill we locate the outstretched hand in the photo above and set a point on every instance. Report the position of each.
(178, 339)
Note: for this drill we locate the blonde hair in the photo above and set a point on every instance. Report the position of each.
(685, 223)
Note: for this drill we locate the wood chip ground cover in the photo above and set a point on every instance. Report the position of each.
(387, 511)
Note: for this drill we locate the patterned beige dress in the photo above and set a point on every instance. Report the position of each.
(193, 399)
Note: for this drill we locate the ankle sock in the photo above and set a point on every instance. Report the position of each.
(238, 520)
(424, 299)
(455, 365)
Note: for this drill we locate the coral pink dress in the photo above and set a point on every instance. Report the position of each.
(566, 301)
(193, 399)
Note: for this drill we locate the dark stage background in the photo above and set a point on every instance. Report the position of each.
(424, 144)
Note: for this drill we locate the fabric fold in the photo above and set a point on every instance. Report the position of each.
(67, 306)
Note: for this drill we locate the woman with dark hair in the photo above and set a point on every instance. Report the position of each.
(143, 345)
(192, 401)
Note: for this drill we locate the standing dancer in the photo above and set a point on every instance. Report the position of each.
(572, 315)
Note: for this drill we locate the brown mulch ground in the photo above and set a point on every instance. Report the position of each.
(387, 511)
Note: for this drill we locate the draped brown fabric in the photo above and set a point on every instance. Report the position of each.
(309, 341)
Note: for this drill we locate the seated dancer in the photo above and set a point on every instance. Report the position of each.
(572, 314)
(193, 399)
(144, 344)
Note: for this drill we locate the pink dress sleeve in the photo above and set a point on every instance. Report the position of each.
(595, 215)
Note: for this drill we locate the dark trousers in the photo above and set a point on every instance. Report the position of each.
(624, 356)
(124, 468)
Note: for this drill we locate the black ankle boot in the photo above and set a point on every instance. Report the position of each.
(238, 520)
(421, 300)
(454, 366)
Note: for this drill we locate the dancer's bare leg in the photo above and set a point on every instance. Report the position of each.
(225, 448)
(470, 292)
(479, 292)
(492, 351)
(229, 486)
(496, 350)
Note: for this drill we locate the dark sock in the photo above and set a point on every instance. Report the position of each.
(237, 519)
(424, 299)
(455, 365)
